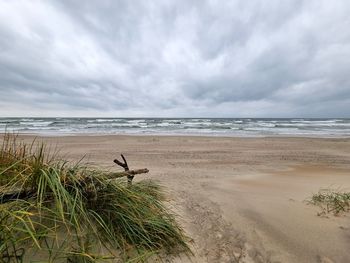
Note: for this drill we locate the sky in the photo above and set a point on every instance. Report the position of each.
(180, 58)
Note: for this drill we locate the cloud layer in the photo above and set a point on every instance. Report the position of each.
(175, 58)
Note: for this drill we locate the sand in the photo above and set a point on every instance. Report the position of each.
(239, 199)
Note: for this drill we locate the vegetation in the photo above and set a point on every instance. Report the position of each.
(332, 201)
(53, 211)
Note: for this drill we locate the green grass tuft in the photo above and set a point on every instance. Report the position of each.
(332, 201)
(57, 212)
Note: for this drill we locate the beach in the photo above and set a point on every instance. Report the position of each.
(238, 110)
(238, 199)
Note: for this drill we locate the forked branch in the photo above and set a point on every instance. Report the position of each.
(130, 174)
(122, 164)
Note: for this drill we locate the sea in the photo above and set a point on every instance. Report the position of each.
(236, 127)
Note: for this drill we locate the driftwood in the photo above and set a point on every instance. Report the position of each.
(130, 174)
(126, 173)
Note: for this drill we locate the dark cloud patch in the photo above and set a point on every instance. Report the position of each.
(175, 58)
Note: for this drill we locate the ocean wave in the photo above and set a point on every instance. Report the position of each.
(36, 123)
(234, 127)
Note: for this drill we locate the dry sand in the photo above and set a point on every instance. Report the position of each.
(239, 196)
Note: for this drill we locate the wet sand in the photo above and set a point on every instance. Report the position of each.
(239, 199)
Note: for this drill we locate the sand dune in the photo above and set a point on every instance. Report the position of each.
(239, 199)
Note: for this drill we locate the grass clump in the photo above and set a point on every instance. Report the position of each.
(57, 212)
(331, 201)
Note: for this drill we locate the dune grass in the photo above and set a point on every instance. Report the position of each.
(333, 201)
(54, 211)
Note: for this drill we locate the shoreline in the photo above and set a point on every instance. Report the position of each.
(212, 127)
(287, 136)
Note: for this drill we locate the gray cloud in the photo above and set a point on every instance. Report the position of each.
(175, 58)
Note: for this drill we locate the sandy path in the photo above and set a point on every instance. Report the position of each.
(240, 195)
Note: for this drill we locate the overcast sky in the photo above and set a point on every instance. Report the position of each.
(177, 58)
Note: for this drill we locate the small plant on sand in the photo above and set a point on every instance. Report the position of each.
(331, 201)
(52, 211)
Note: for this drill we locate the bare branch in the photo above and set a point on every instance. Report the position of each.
(128, 173)
(122, 164)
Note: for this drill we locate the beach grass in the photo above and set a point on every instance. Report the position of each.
(330, 200)
(56, 211)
